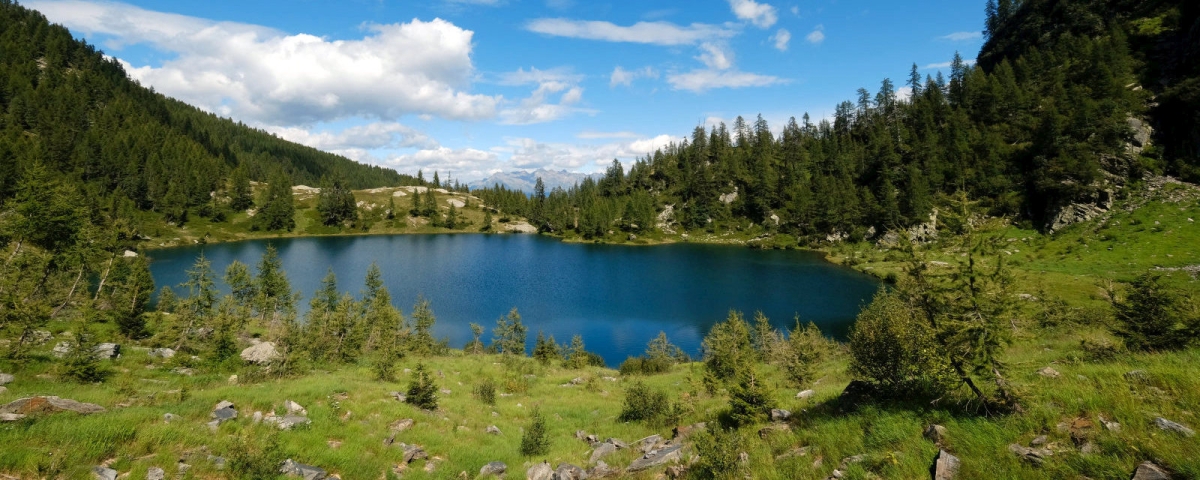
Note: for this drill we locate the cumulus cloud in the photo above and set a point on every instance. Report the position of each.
(719, 72)
(461, 163)
(817, 36)
(271, 77)
(962, 36)
(364, 137)
(759, 14)
(539, 106)
(621, 76)
(781, 39)
(654, 33)
(716, 57)
(527, 153)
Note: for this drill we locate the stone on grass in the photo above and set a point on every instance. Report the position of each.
(155, 473)
(601, 450)
(294, 408)
(492, 429)
(773, 429)
(682, 433)
(656, 458)
(946, 466)
(307, 472)
(493, 468)
(104, 473)
(617, 442)
(806, 394)
(780, 415)
(412, 452)
(602, 470)
(566, 471)
(1032, 455)
(936, 434)
(3, 390)
(6, 378)
(61, 349)
(163, 353)
(1049, 373)
(1039, 441)
(260, 354)
(33, 405)
(11, 417)
(170, 417)
(1150, 471)
(289, 421)
(1168, 425)
(401, 425)
(649, 443)
(107, 351)
(541, 471)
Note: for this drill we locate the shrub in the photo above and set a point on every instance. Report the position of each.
(896, 351)
(534, 441)
(805, 348)
(727, 350)
(1152, 316)
(660, 356)
(384, 368)
(1099, 351)
(81, 363)
(253, 459)
(750, 401)
(644, 366)
(718, 450)
(422, 392)
(545, 350)
(644, 405)
(486, 392)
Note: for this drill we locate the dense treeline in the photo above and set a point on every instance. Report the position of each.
(1034, 126)
(67, 106)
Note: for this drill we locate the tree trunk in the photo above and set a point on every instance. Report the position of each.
(104, 277)
(69, 294)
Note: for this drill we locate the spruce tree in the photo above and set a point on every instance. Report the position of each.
(422, 392)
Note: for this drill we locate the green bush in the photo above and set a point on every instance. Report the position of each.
(727, 351)
(644, 366)
(643, 404)
(805, 349)
(718, 450)
(486, 392)
(534, 441)
(422, 392)
(1153, 317)
(750, 401)
(254, 459)
(896, 351)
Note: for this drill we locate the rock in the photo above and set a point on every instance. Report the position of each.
(183, 371)
(946, 466)
(400, 397)
(936, 434)
(578, 381)
(170, 417)
(224, 412)
(521, 227)
(541, 471)
(307, 472)
(3, 390)
(412, 452)
(108, 351)
(649, 443)
(10, 417)
(805, 395)
(580, 434)
(743, 458)
(493, 468)
(590, 439)
(602, 470)
(260, 354)
(35, 405)
(617, 442)
(155, 473)
(1150, 471)
(163, 353)
(795, 452)
(1168, 425)
(104, 473)
(656, 458)
(681, 433)
(1049, 373)
(289, 421)
(780, 415)
(294, 408)
(217, 462)
(1110, 425)
(1039, 441)
(1032, 455)
(6, 378)
(773, 429)
(401, 425)
(566, 471)
(492, 429)
(61, 349)
(1072, 214)
(1137, 376)
(600, 451)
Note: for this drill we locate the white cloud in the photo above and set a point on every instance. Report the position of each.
(538, 107)
(594, 135)
(904, 94)
(655, 33)
(796, 10)
(759, 14)
(702, 80)
(262, 75)
(715, 57)
(781, 39)
(621, 76)
(817, 36)
(939, 66)
(527, 153)
(462, 163)
(962, 36)
(372, 136)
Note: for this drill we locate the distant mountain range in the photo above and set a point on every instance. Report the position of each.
(524, 181)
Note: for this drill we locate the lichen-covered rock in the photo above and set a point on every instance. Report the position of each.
(1150, 471)
(540, 471)
(946, 466)
(656, 458)
(35, 405)
(104, 473)
(260, 354)
(307, 472)
(493, 468)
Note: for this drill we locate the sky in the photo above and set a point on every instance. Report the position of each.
(472, 87)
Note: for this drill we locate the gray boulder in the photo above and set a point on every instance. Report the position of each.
(104, 473)
(307, 472)
(1150, 471)
(780, 415)
(493, 468)
(1034, 456)
(6, 378)
(494, 430)
(566, 471)
(649, 443)
(1168, 425)
(32, 405)
(617, 442)
(601, 450)
(946, 466)
(289, 421)
(155, 473)
(163, 353)
(412, 452)
(260, 354)
(806, 394)
(401, 425)
(224, 412)
(541, 471)
(656, 458)
(108, 351)
(936, 434)
(61, 349)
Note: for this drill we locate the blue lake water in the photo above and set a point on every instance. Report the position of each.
(617, 297)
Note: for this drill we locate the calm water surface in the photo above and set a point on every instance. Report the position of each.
(616, 297)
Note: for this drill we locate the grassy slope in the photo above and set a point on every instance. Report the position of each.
(1070, 265)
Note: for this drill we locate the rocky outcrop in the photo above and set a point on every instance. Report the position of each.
(493, 468)
(656, 458)
(36, 405)
(1150, 471)
(521, 227)
(728, 198)
(946, 466)
(1170, 426)
(541, 471)
(260, 354)
(307, 472)
(1080, 210)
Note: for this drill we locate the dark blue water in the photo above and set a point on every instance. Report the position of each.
(616, 297)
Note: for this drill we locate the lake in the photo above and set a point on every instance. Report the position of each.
(617, 297)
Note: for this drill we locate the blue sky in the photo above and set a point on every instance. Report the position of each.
(471, 87)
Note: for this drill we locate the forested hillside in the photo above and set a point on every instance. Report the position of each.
(65, 105)
(1054, 115)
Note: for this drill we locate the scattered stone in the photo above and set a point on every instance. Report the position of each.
(617, 442)
(183, 371)
(412, 452)
(936, 434)
(1150, 471)
(795, 452)
(257, 417)
(493, 468)
(541, 471)
(656, 458)
(294, 408)
(591, 439)
(34, 405)
(163, 353)
(567, 471)
(1039, 441)
(170, 417)
(289, 421)
(600, 451)
(400, 397)
(61, 349)
(1168, 425)
(681, 433)
(1111, 426)
(107, 351)
(401, 425)
(11, 417)
(1049, 373)
(602, 470)
(1032, 455)
(743, 458)
(260, 354)
(579, 434)
(223, 412)
(946, 466)
(104, 473)
(6, 378)
(233, 379)
(773, 429)
(649, 443)
(494, 430)
(307, 472)
(780, 415)
(155, 473)
(218, 462)
(578, 381)
(805, 395)
(3, 390)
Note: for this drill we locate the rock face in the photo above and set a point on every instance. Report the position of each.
(260, 354)
(1150, 471)
(946, 466)
(35, 405)
(307, 472)
(541, 471)
(104, 473)
(656, 458)
(493, 468)
(521, 227)
(1168, 425)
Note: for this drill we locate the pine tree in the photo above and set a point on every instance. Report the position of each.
(336, 202)
(452, 218)
(535, 440)
(240, 195)
(278, 211)
(487, 220)
(509, 334)
(422, 392)
(546, 350)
